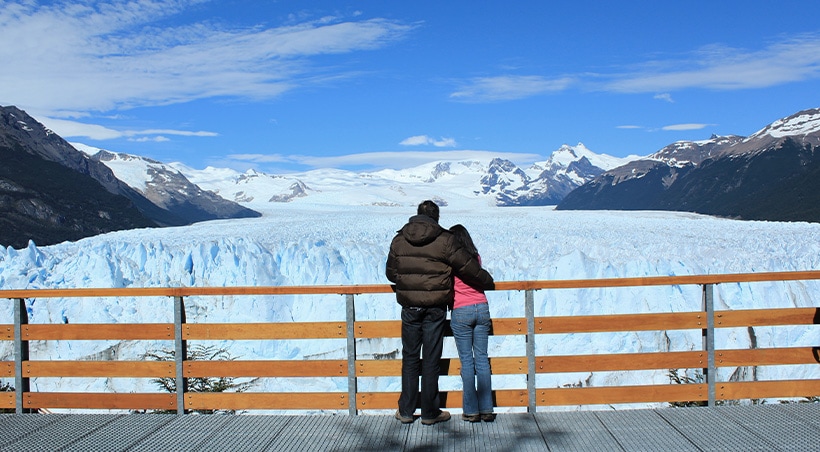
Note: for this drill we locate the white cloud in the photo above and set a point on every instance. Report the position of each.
(157, 139)
(261, 158)
(74, 129)
(422, 140)
(80, 57)
(509, 87)
(380, 160)
(629, 127)
(711, 67)
(726, 68)
(678, 127)
(665, 97)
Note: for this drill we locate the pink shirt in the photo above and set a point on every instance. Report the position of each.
(467, 295)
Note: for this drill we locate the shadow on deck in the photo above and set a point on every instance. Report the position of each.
(735, 428)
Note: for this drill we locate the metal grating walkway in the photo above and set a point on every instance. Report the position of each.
(792, 427)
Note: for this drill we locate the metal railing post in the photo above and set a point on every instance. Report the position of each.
(180, 354)
(710, 373)
(21, 353)
(529, 312)
(352, 382)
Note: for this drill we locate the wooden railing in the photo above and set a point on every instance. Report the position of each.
(706, 360)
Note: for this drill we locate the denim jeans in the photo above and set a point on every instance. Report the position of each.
(471, 328)
(422, 331)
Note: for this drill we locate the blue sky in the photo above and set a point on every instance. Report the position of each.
(292, 85)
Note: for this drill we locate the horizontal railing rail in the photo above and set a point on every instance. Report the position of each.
(707, 360)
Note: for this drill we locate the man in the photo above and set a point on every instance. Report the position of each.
(422, 260)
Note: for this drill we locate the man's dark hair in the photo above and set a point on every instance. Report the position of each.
(429, 208)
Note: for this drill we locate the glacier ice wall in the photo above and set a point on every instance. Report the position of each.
(319, 246)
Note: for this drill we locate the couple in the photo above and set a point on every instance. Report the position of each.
(434, 268)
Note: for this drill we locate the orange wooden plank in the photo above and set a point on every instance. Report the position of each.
(266, 400)
(89, 331)
(386, 288)
(385, 400)
(240, 331)
(301, 368)
(449, 366)
(767, 356)
(378, 367)
(658, 280)
(621, 394)
(7, 369)
(6, 332)
(392, 328)
(509, 326)
(767, 317)
(767, 389)
(511, 365)
(7, 400)
(377, 328)
(392, 367)
(135, 369)
(196, 291)
(620, 361)
(620, 322)
(130, 401)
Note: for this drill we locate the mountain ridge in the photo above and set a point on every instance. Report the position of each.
(51, 192)
(766, 176)
(464, 182)
(730, 176)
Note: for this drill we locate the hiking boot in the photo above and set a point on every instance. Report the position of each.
(404, 419)
(488, 417)
(443, 416)
(471, 417)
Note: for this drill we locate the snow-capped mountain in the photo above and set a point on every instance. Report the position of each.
(803, 128)
(568, 168)
(167, 188)
(674, 158)
(480, 182)
(50, 192)
(773, 174)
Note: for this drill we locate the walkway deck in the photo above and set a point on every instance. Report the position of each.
(794, 427)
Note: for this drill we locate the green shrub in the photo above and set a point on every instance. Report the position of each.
(198, 384)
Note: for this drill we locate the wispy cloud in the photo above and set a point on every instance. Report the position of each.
(378, 160)
(712, 67)
(156, 139)
(665, 97)
(94, 57)
(424, 140)
(73, 129)
(679, 127)
(508, 87)
(726, 68)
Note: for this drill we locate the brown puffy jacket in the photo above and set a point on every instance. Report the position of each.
(422, 260)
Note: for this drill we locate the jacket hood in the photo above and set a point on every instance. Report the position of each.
(421, 230)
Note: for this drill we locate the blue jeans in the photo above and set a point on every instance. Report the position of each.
(471, 327)
(422, 331)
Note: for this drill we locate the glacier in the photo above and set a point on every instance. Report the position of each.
(304, 244)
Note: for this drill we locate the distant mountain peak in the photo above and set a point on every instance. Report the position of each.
(167, 188)
(683, 153)
(771, 175)
(802, 123)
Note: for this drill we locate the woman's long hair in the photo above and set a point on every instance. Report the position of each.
(464, 237)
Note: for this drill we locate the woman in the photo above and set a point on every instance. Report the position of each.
(471, 324)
